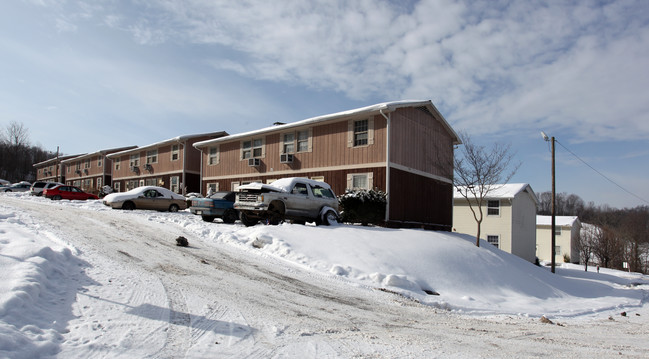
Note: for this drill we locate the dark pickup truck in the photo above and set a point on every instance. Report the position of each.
(218, 205)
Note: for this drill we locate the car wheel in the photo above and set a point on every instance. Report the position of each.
(208, 218)
(230, 216)
(330, 218)
(7, 190)
(247, 221)
(56, 198)
(174, 208)
(129, 206)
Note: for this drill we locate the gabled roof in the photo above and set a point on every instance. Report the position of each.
(177, 139)
(100, 152)
(558, 220)
(381, 108)
(503, 191)
(56, 160)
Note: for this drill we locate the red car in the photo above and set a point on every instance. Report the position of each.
(67, 192)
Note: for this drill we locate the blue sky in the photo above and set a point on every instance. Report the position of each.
(91, 75)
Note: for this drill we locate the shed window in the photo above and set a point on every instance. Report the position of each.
(493, 208)
(493, 239)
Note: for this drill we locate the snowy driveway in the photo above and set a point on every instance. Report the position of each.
(131, 292)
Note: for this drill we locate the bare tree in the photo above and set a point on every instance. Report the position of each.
(587, 241)
(16, 135)
(479, 171)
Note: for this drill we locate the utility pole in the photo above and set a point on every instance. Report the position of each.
(554, 193)
(554, 206)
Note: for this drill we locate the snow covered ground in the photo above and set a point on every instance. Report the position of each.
(82, 280)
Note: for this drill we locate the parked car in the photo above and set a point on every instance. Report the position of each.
(67, 192)
(147, 197)
(37, 187)
(4, 182)
(18, 187)
(218, 205)
(297, 199)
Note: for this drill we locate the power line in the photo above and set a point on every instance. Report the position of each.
(601, 174)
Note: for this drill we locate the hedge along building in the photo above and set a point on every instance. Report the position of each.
(91, 171)
(404, 148)
(173, 164)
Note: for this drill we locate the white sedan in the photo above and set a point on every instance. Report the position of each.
(146, 197)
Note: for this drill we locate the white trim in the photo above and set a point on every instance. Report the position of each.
(156, 174)
(291, 172)
(421, 173)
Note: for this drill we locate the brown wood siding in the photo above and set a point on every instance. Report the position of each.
(329, 149)
(421, 142)
(337, 179)
(418, 199)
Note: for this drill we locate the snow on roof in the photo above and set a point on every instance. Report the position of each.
(558, 220)
(168, 141)
(508, 190)
(378, 108)
(57, 159)
(100, 152)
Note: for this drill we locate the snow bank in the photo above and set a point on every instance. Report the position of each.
(35, 302)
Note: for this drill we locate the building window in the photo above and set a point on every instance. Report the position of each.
(360, 133)
(359, 181)
(557, 250)
(495, 240)
(212, 188)
(116, 186)
(99, 182)
(175, 152)
(87, 163)
(117, 165)
(493, 208)
(288, 143)
(557, 230)
(174, 184)
(318, 178)
(303, 141)
(152, 181)
(252, 149)
(99, 162)
(234, 186)
(132, 184)
(152, 156)
(77, 166)
(213, 156)
(135, 160)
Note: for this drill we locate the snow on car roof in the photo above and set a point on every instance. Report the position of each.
(284, 184)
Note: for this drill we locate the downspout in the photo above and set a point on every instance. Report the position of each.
(387, 165)
(200, 176)
(182, 190)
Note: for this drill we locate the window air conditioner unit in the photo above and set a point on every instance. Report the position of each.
(253, 162)
(148, 167)
(135, 169)
(286, 158)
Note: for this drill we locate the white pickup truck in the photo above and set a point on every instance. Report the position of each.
(298, 199)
